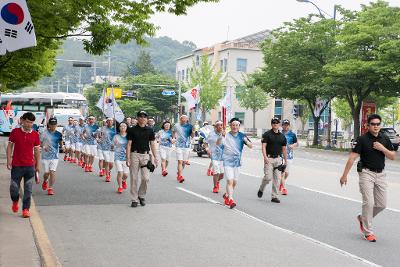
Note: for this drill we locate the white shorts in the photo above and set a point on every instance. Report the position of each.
(121, 166)
(289, 163)
(218, 166)
(90, 150)
(108, 156)
(78, 147)
(100, 154)
(67, 144)
(49, 165)
(165, 152)
(232, 173)
(182, 153)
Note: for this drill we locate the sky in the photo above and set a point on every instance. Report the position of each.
(207, 24)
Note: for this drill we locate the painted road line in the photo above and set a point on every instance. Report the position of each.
(312, 240)
(308, 189)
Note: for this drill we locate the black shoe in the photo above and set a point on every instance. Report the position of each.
(142, 201)
(134, 204)
(275, 200)
(260, 193)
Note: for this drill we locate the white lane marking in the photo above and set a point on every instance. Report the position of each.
(310, 239)
(337, 196)
(308, 189)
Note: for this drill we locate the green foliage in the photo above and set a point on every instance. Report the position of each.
(343, 112)
(148, 88)
(130, 107)
(366, 53)
(93, 95)
(211, 83)
(142, 65)
(294, 60)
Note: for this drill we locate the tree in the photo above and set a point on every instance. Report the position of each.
(93, 94)
(101, 22)
(211, 83)
(304, 114)
(130, 107)
(367, 56)
(143, 65)
(149, 87)
(251, 96)
(343, 112)
(294, 60)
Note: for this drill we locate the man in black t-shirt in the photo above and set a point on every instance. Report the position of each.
(372, 148)
(141, 140)
(273, 148)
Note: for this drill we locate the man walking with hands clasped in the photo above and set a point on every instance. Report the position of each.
(141, 139)
(273, 148)
(372, 148)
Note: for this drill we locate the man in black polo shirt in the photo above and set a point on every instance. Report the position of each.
(372, 148)
(273, 148)
(140, 139)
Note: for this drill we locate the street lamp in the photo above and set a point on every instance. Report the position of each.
(307, 1)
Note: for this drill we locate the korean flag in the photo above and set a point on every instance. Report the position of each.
(16, 27)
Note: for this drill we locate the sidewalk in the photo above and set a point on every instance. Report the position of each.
(17, 243)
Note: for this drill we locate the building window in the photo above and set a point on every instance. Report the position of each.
(221, 65)
(187, 74)
(240, 116)
(183, 75)
(197, 60)
(278, 108)
(225, 65)
(241, 64)
(238, 91)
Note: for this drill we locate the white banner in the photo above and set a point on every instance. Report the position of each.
(319, 105)
(16, 27)
(192, 97)
(110, 107)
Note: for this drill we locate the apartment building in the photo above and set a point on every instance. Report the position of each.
(237, 58)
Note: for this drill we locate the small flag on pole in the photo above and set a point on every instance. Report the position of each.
(16, 27)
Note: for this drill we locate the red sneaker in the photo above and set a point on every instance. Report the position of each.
(83, 165)
(124, 186)
(208, 172)
(44, 185)
(180, 178)
(215, 189)
(370, 238)
(284, 191)
(69, 159)
(101, 173)
(120, 190)
(90, 168)
(218, 185)
(226, 199)
(232, 204)
(86, 168)
(15, 206)
(164, 173)
(108, 178)
(25, 213)
(212, 173)
(75, 161)
(50, 191)
(280, 187)
(361, 223)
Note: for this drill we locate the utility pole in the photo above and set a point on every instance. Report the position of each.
(58, 86)
(67, 84)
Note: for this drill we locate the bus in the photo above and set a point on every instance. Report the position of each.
(12, 106)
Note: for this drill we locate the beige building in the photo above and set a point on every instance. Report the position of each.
(235, 58)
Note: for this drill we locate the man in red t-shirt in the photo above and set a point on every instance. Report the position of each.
(23, 159)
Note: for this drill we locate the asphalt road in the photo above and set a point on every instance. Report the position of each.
(185, 224)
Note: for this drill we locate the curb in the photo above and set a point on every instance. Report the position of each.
(48, 258)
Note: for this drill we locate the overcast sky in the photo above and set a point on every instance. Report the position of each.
(211, 23)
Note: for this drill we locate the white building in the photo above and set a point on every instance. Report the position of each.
(235, 58)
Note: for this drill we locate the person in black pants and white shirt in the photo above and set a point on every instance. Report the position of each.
(273, 148)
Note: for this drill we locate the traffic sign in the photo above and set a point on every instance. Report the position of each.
(168, 92)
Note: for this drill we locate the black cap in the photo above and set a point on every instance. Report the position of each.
(52, 121)
(142, 113)
(275, 120)
(286, 122)
(234, 119)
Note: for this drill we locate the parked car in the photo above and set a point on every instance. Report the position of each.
(393, 136)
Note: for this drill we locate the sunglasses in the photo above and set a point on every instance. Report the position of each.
(275, 122)
(374, 124)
